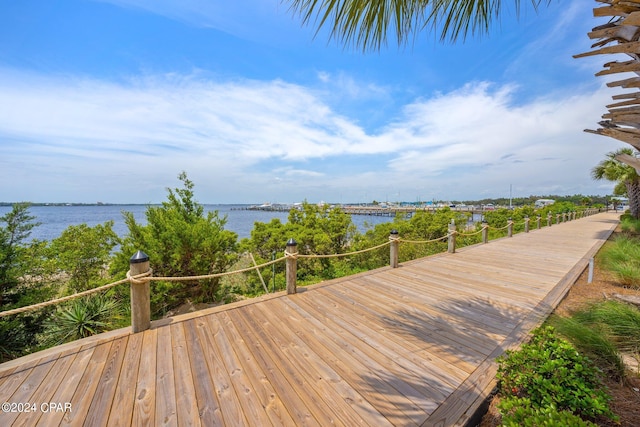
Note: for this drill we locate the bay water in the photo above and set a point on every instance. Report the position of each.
(55, 219)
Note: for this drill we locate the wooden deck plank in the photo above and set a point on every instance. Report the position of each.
(414, 345)
(126, 386)
(23, 394)
(47, 388)
(144, 409)
(87, 386)
(67, 384)
(270, 402)
(383, 388)
(166, 411)
(186, 401)
(208, 405)
(240, 382)
(406, 336)
(308, 388)
(350, 405)
(284, 381)
(424, 377)
(101, 405)
(230, 407)
(411, 304)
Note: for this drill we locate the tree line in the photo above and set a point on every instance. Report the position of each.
(182, 239)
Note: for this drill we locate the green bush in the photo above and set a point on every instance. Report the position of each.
(550, 373)
(519, 412)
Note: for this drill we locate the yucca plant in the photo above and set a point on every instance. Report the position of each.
(82, 318)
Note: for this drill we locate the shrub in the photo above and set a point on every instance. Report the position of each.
(519, 412)
(550, 373)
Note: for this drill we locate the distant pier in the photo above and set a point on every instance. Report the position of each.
(376, 210)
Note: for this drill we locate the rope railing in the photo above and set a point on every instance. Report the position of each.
(421, 242)
(470, 234)
(345, 254)
(210, 276)
(66, 298)
(140, 274)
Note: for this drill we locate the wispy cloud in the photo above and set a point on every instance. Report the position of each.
(282, 139)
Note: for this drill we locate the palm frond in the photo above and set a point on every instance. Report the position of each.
(367, 24)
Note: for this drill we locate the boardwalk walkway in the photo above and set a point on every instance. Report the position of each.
(408, 346)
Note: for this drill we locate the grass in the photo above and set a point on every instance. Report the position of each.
(602, 331)
(630, 225)
(622, 258)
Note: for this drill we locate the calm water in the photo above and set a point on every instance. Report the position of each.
(54, 219)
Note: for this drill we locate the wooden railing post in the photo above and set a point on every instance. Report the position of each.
(509, 227)
(140, 293)
(549, 219)
(526, 224)
(557, 218)
(451, 246)
(485, 231)
(575, 214)
(393, 249)
(291, 252)
(538, 221)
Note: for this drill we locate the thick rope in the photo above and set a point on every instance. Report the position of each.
(471, 234)
(210, 276)
(341, 255)
(426, 241)
(498, 229)
(69, 297)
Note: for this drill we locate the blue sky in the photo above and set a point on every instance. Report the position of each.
(110, 100)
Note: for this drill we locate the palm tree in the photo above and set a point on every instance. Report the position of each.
(365, 23)
(613, 169)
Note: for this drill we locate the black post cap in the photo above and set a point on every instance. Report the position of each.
(394, 231)
(138, 257)
(292, 242)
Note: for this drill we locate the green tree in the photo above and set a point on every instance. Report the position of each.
(13, 236)
(181, 240)
(82, 254)
(612, 169)
(320, 229)
(366, 23)
(19, 261)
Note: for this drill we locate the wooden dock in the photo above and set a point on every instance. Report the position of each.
(408, 346)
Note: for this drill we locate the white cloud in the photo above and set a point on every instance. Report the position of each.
(244, 140)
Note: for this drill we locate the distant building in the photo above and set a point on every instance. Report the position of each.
(541, 203)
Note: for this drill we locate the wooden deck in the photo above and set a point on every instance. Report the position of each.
(408, 346)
